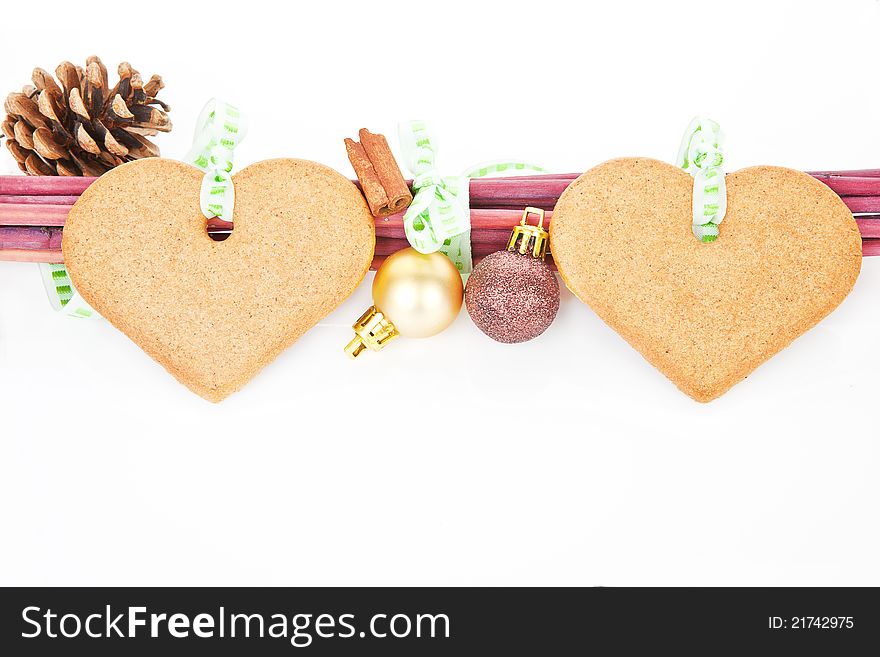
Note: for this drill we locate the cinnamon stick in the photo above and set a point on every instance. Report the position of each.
(381, 181)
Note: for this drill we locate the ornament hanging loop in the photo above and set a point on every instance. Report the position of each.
(530, 236)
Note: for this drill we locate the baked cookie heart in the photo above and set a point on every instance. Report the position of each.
(213, 313)
(705, 315)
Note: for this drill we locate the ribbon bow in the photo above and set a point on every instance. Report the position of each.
(438, 219)
(701, 155)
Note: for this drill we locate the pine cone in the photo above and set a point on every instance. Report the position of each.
(82, 127)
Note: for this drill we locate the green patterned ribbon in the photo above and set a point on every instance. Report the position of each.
(701, 155)
(62, 295)
(219, 129)
(439, 218)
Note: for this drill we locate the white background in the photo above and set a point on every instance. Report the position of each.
(325, 472)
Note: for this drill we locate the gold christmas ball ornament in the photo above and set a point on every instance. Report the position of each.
(415, 295)
(419, 293)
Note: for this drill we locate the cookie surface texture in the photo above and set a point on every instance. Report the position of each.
(705, 315)
(214, 313)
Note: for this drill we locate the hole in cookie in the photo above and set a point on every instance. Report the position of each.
(219, 230)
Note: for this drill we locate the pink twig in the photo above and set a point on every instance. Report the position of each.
(870, 248)
(44, 185)
(33, 214)
(481, 219)
(27, 255)
(869, 226)
(17, 199)
(21, 214)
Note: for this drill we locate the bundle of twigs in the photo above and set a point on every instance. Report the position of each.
(33, 211)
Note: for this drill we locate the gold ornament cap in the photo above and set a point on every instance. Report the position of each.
(372, 331)
(531, 237)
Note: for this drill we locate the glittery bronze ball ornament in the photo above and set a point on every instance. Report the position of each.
(512, 295)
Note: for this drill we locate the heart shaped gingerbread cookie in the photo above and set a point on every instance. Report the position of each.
(213, 313)
(705, 315)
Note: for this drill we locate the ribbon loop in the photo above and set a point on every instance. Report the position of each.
(701, 155)
(63, 297)
(439, 214)
(219, 129)
(439, 218)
